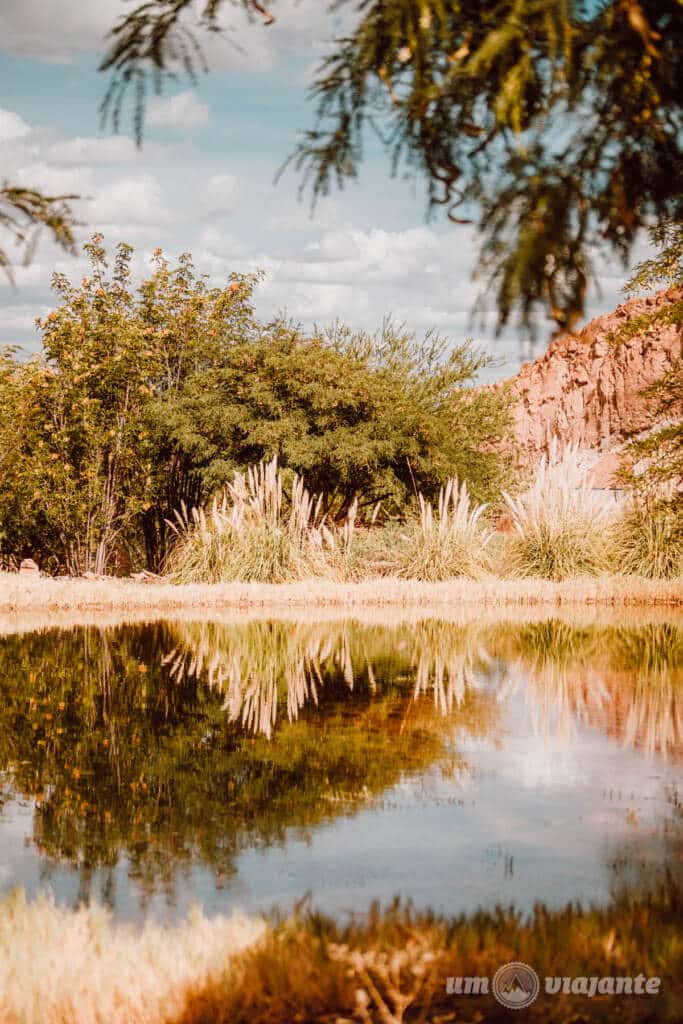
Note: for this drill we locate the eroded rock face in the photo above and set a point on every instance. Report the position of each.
(586, 389)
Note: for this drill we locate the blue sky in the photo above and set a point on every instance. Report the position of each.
(204, 180)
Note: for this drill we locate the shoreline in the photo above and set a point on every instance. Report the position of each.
(20, 594)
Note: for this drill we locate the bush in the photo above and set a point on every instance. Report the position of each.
(253, 534)
(649, 537)
(450, 542)
(561, 527)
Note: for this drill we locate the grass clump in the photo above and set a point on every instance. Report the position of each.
(561, 526)
(447, 542)
(649, 537)
(253, 533)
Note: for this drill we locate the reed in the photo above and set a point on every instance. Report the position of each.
(561, 526)
(449, 541)
(59, 966)
(253, 533)
(649, 539)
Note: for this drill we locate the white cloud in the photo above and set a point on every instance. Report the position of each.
(57, 30)
(130, 201)
(182, 111)
(111, 149)
(56, 180)
(325, 217)
(12, 126)
(220, 195)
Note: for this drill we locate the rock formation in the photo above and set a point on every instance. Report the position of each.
(587, 388)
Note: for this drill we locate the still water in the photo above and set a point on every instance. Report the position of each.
(250, 763)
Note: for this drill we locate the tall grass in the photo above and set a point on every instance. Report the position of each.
(60, 966)
(450, 541)
(649, 538)
(253, 533)
(561, 526)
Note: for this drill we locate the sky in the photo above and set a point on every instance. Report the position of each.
(204, 182)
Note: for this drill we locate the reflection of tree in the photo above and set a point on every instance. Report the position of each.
(170, 743)
(626, 681)
(125, 753)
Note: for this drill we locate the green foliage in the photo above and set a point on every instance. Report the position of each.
(656, 457)
(556, 125)
(144, 400)
(24, 212)
(361, 418)
(649, 537)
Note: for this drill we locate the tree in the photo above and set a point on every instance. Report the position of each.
(146, 399)
(359, 417)
(76, 410)
(555, 124)
(660, 451)
(24, 212)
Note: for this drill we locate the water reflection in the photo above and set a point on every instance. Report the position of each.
(627, 682)
(254, 664)
(162, 747)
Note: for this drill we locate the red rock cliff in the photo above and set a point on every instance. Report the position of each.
(586, 389)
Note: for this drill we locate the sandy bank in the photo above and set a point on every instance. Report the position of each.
(19, 594)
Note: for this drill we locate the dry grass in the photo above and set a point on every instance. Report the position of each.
(449, 541)
(254, 534)
(59, 966)
(562, 528)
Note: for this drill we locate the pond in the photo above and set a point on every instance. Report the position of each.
(249, 763)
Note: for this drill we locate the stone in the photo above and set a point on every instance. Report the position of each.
(587, 390)
(29, 568)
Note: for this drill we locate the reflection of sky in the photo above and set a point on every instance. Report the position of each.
(533, 818)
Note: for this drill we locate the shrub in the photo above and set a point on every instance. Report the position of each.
(561, 527)
(649, 537)
(253, 533)
(450, 542)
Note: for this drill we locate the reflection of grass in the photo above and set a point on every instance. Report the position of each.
(258, 665)
(389, 967)
(628, 681)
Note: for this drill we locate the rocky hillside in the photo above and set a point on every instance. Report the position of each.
(587, 389)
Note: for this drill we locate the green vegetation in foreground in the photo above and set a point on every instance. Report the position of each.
(462, 93)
